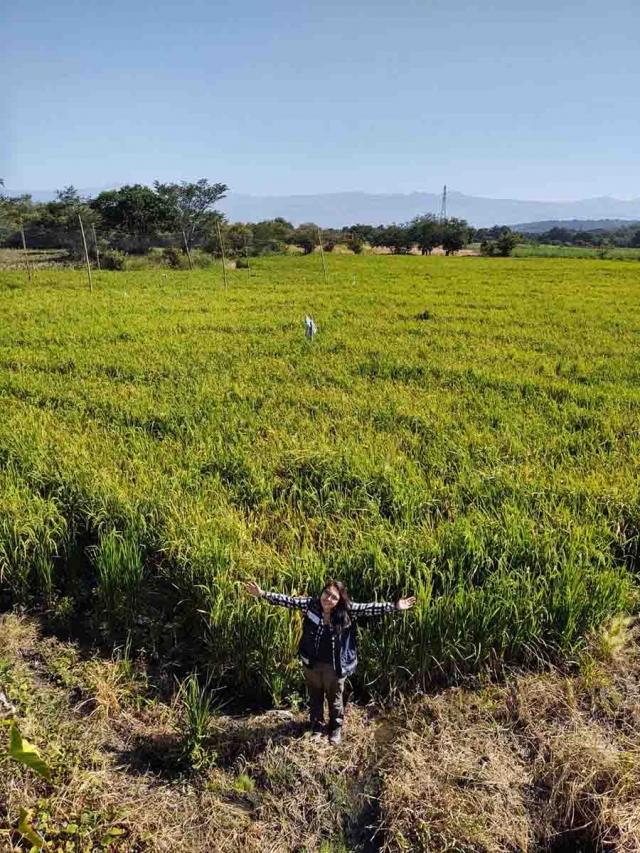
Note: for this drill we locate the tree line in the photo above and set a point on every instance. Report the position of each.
(183, 216)
(178, 218)
(624, 237)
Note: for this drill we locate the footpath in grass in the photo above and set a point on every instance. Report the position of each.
(463, 429)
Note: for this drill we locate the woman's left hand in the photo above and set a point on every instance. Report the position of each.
(406, 603)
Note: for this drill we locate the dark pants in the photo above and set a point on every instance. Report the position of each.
(323, 680)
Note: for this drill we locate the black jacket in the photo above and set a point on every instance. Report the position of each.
(343, 637)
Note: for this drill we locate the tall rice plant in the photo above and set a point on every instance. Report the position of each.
(198, 708)
(119, 565)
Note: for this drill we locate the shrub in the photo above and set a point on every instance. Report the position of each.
(200, 258)
(488, 248)
(356, 245)
(174, 258)
(243, 264)
(112, 259)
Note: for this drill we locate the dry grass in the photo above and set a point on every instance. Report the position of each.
(14, 259)
(456, 783)
(530, 765)
(523, 766)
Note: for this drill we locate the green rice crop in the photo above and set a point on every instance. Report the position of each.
(536, 250)
(461, 428)
(119, 576)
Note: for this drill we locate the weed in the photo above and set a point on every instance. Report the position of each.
(198, 708)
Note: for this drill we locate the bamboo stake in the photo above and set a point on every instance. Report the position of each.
(95, 243)
(224, 264)
(24, 246)
(186, 246)
(246, 254)
(86, 253)
(324, 266)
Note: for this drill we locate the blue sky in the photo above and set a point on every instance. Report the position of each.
(504, 99)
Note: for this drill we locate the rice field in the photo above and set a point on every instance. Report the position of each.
(543, 250)
(463, 429)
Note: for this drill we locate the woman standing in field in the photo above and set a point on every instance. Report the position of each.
(328, 647)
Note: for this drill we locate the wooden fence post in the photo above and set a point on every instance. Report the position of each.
(86, 253)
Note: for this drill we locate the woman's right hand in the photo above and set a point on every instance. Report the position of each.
(253, 588)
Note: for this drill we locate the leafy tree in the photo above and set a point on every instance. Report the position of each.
(306, 237)
(507, 241)
(426, 233)
(331, 238)
(189, 203)
(362, 233)
(69, 196)
(52, 224)
(455, 234)
(635, 240)
(271, 236)
(58, 220)
(134, 210)
(355, 243)
(16, 211)
(237, 238)
(558, 235)
(603, 250)
(399, 239)
(503, 246)
(396, 238)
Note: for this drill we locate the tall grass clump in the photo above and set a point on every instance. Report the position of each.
(198, 707)
(119, 567)
(32, 535)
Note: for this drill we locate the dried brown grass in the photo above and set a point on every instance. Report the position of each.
(455, 781)
(519, 766)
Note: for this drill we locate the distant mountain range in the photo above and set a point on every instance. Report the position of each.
(339, 209)
(347, 208)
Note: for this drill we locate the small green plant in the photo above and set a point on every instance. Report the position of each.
(244, 784)
(333, 846)
(26, 753)
(27, 830)
(198, 708)
(277, 684)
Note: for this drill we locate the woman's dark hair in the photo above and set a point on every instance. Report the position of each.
(342, 607)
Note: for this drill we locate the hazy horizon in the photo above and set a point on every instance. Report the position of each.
(451, 192)
(337, 210)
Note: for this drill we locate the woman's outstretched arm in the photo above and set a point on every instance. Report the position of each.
(380, 608)
(291, 601)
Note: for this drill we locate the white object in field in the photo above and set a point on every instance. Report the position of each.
(310, 328)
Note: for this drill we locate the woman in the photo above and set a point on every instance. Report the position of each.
(328, 646)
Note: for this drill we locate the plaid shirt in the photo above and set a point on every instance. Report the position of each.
(314, 624)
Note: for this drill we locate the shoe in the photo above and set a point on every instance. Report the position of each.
(335, 736)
